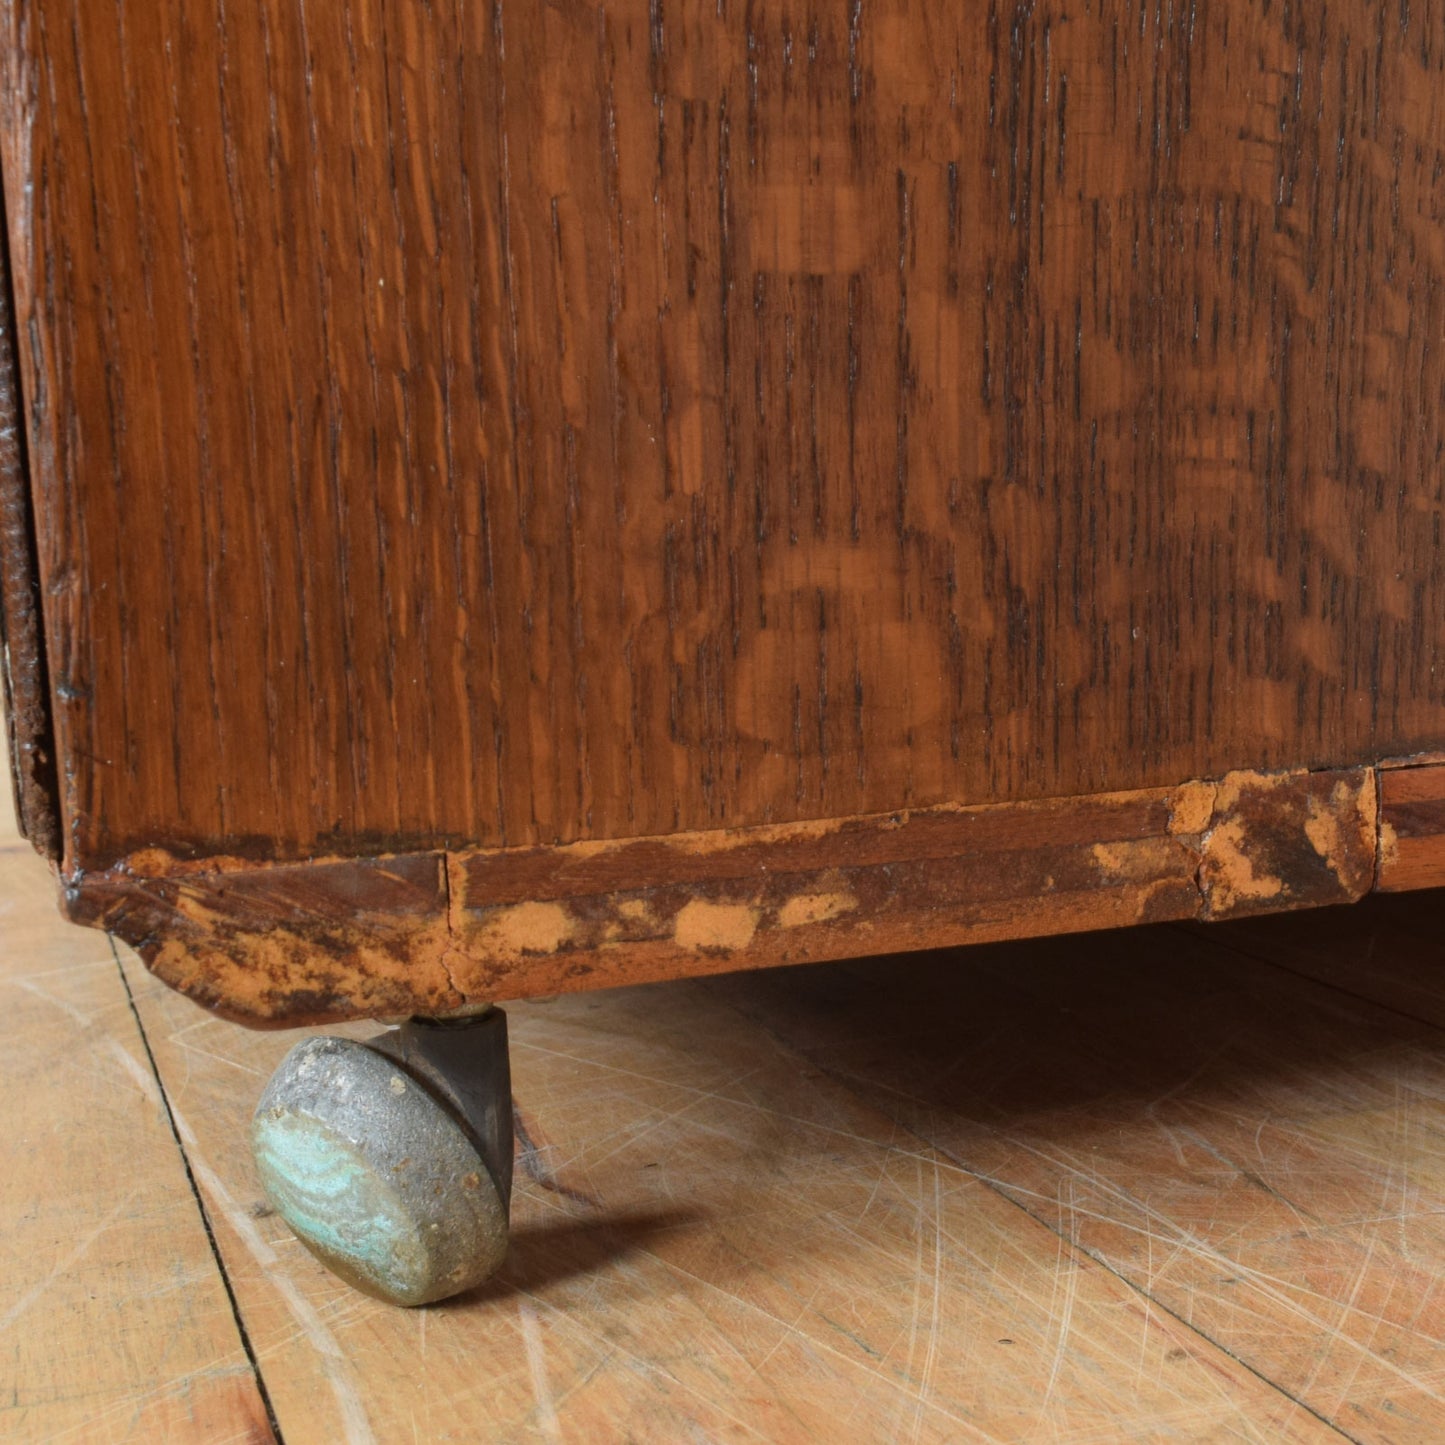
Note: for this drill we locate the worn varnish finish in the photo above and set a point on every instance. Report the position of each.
(435, 933)
(529, 424)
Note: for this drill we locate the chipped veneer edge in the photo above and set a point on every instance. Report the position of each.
(1203, 860)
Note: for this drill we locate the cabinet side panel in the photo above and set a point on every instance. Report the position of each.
(526, 424)
(22, 650)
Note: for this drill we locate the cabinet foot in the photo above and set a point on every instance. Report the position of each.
(392, 1160)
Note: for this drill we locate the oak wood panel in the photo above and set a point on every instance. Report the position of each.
(435, 934)
(519, 424)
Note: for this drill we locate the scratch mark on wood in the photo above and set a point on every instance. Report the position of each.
(537, 1369)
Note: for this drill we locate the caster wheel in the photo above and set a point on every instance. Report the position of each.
(392, 1160)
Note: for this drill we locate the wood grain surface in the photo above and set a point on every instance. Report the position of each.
(519, 424)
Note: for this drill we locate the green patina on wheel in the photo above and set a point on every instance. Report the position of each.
(374, 1175)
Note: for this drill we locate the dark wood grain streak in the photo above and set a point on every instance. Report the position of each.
(435, 933)
(511, 425)
(23, 674)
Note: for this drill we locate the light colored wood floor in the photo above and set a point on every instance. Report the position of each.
(1165, 1185)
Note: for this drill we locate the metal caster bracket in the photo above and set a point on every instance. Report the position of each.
(392, 1160)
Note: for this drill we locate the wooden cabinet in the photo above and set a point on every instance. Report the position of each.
(517, 497)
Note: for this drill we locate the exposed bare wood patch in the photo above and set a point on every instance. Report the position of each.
(437, 933)
(288, 943)
(1288, 840)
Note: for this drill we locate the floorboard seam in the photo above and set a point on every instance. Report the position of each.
(1241, 952)
(848, 1084)
(215, 1248)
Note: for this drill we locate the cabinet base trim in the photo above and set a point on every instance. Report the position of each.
(438, 932)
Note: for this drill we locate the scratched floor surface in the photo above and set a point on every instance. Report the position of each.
(1166, 1185)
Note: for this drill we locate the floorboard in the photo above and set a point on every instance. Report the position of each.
(115, 1322)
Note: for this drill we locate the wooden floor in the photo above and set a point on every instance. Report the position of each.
(1175, 1184)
